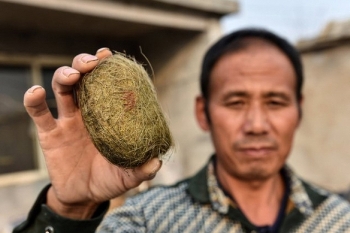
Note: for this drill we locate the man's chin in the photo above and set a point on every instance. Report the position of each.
(255, 175)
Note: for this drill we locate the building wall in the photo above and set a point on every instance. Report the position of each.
(177, 96)
(322, 149)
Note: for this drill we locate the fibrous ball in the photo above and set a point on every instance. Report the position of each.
(120, 111)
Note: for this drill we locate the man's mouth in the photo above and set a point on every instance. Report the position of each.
(256, 147)
(257, 151)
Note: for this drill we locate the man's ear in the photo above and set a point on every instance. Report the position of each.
(201, 113)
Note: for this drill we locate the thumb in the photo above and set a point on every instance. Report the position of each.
(148, 170)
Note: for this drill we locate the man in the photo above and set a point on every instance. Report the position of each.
(250, 104)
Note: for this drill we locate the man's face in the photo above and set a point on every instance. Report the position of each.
(253, 112)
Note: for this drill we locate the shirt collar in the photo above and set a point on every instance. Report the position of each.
(204, 188)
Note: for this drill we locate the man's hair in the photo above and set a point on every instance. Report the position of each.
(240, 40)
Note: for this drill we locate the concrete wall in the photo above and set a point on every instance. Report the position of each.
(177, 94)
(322, 145)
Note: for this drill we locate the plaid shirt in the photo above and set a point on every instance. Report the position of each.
(199, 205)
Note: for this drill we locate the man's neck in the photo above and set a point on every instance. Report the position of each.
(259, 200)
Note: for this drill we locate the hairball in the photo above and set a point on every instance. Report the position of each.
(120, 111)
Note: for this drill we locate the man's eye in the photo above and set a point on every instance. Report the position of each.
(235, 104)
(276, 103)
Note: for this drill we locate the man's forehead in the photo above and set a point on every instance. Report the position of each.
(254, 61)
(264, 70)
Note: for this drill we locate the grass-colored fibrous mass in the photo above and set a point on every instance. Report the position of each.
(120, 110)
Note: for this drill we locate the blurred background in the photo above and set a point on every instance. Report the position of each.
(38, 36)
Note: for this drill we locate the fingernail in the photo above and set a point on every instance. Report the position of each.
(152, 175)
(33, 88)
(156, 168)
(102, 49)
(69, 71)
(88, 58)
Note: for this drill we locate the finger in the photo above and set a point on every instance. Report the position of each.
(63, 83)
(103, 53)
(148, 170)
(35, 104)
(84, 62)
(65, 78)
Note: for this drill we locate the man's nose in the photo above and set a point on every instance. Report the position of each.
(256, 120)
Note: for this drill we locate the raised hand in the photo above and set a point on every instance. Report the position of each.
(81, 177)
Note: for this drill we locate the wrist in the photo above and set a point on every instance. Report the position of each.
(76, 211)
